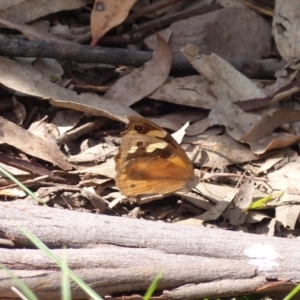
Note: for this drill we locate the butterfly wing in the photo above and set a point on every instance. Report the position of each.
(150, 129)
(152, 175)
(150, 161)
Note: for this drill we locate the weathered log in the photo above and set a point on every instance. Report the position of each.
(118, 255)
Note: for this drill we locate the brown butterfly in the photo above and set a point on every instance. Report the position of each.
(150, 161)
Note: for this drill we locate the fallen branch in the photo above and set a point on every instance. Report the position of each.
(86, 54)
(122, 255)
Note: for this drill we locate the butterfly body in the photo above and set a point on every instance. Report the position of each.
(150, 161)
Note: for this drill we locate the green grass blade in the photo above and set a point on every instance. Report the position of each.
(151, 289)
(65, 279)
(21, 285)
(292, 293)
(20, 184)
(39, 244)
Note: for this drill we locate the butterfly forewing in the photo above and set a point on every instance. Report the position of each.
(146, 127)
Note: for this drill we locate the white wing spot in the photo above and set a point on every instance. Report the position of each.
(153, 147)
(157, 133)
(133, 149)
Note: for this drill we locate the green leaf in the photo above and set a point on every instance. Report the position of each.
(261, 203)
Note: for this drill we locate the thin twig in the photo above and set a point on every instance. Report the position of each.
(150, 8)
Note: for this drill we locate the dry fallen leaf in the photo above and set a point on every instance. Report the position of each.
(243, 199)
(269, 162)
(26, 11)
(65, 120)
(17, 172)
(97, 153)
(29, 166)
(255, 216)
(266, 228)
(228, 85)
(282, 94)
(286, 28)
(225, 81)
(198, 127)
(215, 212)
(106, 169)
(44, 130)
(50, 68)
(269, 122)
(107, 14)
(219, 194)
(288, 215)
(286, 179)
(172, 122)
(179, 134)
(31, 144)
(274, 141)
(237, 122)
(207, 32)
(261, 137)
(20, 112)
(14, 192)
(191, 90)
(29, 81)
(220, 150)
(69, 195)
(165, 123)
(143, 81)
(30, 31)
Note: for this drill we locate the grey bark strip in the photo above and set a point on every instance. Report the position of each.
(125, 254)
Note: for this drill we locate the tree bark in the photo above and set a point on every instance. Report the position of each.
(122, 255)
(86, 54)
